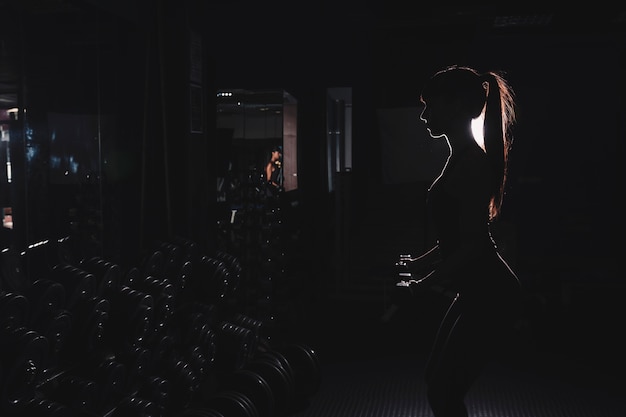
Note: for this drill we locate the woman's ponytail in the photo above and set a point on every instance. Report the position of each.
(499, 116)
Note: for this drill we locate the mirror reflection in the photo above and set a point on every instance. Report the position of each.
(58, 93)
(256, 128)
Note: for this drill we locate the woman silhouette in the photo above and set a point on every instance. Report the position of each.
(273, 170)
(463, 201)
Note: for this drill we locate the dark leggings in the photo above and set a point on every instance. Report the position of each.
(468, 337)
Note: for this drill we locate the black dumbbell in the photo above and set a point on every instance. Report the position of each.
(108, 274)
(134, 406)
(78, 283)
(232, 404)
(45, 296)
(77, 392)
(279, 379)
(157, 390)
(253, 386)
(14, 310)
(43, 407)
(90, 320)
(57, 329)
(137, 362)
(23, 354)
(305, 365)
(234, 346)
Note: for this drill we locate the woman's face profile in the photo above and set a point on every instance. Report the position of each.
(435, 117)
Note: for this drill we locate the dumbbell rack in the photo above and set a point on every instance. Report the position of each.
(257, 232)
(169, 337)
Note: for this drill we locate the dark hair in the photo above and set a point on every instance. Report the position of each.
(277, 148)
(489, 91)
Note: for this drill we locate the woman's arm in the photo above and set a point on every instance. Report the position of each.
(469, 184)
(428, 257)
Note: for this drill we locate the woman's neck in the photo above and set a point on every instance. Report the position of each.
(461, 140)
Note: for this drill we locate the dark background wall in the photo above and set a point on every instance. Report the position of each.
(565, 166)
(130, 65)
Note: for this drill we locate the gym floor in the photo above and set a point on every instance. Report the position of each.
(374, 368)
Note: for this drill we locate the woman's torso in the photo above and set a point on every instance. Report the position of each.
(458, 203)
(274, 172)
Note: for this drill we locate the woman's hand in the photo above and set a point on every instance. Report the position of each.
(405, 260)
(404, 266)
(407, 283)
(414, 286)
(410, 265)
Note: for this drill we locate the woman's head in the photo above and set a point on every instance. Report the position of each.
(459, 91)
(456, 95)
(277, 153)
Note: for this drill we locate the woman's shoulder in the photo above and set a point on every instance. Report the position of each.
(472, 158)
(469, 168)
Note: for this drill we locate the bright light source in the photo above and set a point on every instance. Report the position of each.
(478, 130)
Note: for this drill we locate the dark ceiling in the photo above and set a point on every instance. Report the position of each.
(245, 26)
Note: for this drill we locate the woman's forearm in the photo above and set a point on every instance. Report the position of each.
(423, 261)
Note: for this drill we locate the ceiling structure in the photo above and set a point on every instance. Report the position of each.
(390, 15)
